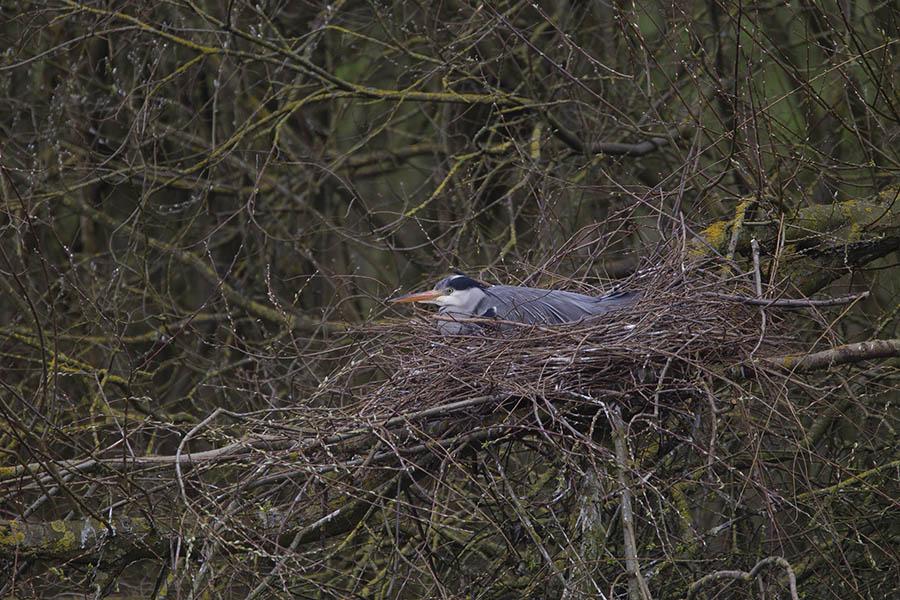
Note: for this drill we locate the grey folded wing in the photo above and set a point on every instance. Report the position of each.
(538, 306)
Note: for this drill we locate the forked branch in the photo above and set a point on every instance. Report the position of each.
(748, 575)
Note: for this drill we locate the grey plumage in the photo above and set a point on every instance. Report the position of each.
(461, 297)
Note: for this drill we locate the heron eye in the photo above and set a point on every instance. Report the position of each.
(449, 290)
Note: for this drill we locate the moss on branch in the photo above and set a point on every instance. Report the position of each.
(71, 539)
(823, 241)
(848, 221)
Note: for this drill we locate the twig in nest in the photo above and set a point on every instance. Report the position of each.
(492, 321)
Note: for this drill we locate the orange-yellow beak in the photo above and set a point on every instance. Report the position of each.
(417, 297)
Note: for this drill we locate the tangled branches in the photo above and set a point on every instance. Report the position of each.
(503, 460)
(203, 205)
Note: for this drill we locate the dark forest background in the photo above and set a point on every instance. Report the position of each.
(206, 203)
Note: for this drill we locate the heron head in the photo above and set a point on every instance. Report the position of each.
(459, 293)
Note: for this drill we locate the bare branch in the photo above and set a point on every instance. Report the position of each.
(793, 302)
(840, 355)
(772, 561)
(637, 586)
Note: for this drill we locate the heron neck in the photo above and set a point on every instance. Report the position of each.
(454, 311)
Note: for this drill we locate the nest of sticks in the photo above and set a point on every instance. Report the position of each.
(680, 333)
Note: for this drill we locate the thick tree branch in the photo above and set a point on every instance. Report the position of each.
(840, 355)
(823, 241)
(812, 271)
(637, 586)
(793, 302)
(819, 224)
(776, 561)
(66, 540)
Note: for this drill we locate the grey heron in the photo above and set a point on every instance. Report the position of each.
(461, 297)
